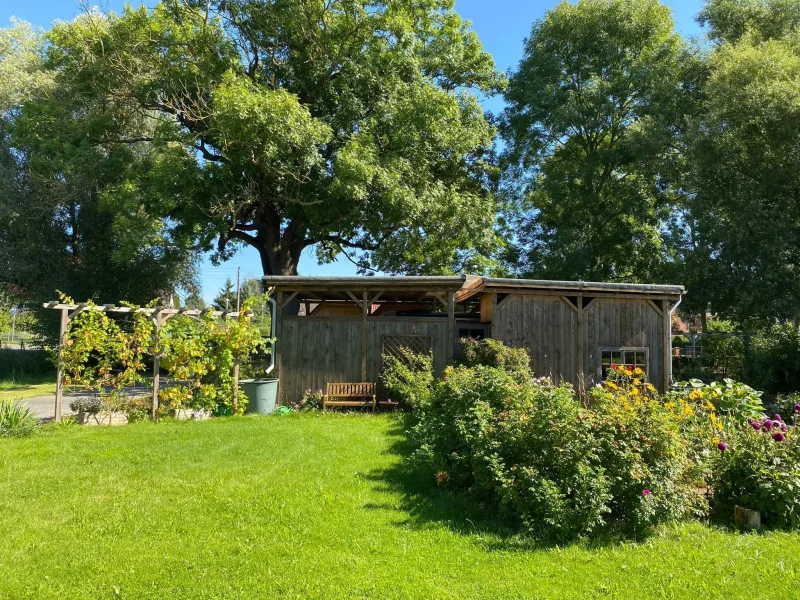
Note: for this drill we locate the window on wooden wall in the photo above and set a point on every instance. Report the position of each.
(624, 357)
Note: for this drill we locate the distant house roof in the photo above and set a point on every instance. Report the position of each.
(465, 286)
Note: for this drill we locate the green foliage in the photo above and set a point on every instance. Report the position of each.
(16, 420)
(18, 365)
(733, 398)
(352, 127)
(494, 353)
(560, 469)
(760, 470)
(731, 20)
(586, 128)
(409, 377)
(226, 298)
(311, 400)
(773, 359)
(201, 354)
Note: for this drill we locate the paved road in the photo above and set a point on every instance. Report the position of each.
(45, 406)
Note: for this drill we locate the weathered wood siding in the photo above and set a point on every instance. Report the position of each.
(319, 350)
(628, 323)
(546, 326)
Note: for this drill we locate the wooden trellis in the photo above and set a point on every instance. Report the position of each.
(159, 316)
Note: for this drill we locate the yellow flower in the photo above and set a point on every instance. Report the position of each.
(638, 371)
(636, 382)
(669, 405)
(719, 425)
(713, 417)
(688, 410)
(612, 385)
(694, 395)
(634, 392)
(716, 440)
(651, 387)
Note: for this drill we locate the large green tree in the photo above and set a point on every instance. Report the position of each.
(61, 226)
(592, 112)
(740, 242)
(345, 125)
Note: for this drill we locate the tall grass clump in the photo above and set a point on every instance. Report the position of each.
(16, 420)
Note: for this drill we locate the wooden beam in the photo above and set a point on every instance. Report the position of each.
(451, 323)
(156, 366)
(439, 298)
(580, 346)
(62, 340)
(279, 342)
(364, 312)
(566, 301)
(356, 300)
(655, 307)
(289, 299)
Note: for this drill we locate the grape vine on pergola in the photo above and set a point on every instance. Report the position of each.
(158, 314)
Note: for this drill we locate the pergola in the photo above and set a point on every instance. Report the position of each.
(158, 314)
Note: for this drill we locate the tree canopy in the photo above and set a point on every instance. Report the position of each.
(590, 112)
(345, 125)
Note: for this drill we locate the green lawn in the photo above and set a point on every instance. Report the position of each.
(16, 390)
(313, 506)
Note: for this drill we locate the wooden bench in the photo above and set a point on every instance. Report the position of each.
(348, 394)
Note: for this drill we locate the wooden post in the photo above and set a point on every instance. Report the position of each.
(667, 346)
(235, 385)
(451, 322)
(364, 313)
(156, 366)
(62, 334)
(581, 357)
(278, 331)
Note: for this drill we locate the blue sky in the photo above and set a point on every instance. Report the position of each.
(501, 26)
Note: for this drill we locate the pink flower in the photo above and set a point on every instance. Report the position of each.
(722, 446)
(778, 436)
(646, 492)
(797, 407)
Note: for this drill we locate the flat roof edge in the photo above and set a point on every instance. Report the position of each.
(643, 288)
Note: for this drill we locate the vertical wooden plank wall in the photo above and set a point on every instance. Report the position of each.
(624, 322)
(318, 350)
(546, 326)
(563, 342)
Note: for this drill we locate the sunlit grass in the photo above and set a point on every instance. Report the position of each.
(21, 390)
(312, 506)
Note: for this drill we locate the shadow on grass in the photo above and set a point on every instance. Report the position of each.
(423, 505)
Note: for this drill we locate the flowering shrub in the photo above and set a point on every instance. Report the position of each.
(494, 353)
(642, 448)
(563, 470)
(524, 445)
(758, 467)
(409, 377)
(311, 400)
(788, 406)
(732, 398)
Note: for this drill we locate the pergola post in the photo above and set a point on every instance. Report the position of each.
(62, 335)
(156, 365)
(667, 346)
(451, 323)
(580, 347)
(365, 304)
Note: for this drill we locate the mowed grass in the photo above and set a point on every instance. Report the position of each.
(313, 506)
(21, 390)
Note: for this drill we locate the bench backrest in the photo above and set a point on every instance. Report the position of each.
(355, 390)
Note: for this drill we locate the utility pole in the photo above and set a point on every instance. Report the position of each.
(238, 281)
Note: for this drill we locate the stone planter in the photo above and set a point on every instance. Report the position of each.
(746, 518)
(186, 414)
(102, 418)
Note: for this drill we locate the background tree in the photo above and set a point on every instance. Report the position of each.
(226, 298)
(591, 113)
(344, 125)
(741, 221)
(63, 223)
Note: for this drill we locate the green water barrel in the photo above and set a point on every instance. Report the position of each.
(261, 395)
